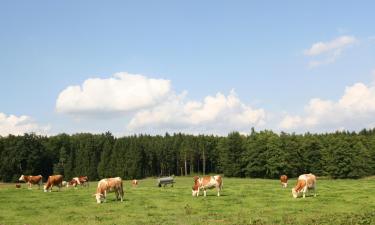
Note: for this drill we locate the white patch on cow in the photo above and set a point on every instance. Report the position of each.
(22, 178)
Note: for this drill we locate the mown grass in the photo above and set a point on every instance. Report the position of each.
(243, 201)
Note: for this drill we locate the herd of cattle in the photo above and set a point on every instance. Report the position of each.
(305, 183)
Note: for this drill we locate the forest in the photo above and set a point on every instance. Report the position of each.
(259, 154)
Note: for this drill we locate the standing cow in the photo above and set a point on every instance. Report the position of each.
(207, 182)
(305, 183)
(32, 180)
(55, 180)
(109, 185)
(134, 183)
(284, 181)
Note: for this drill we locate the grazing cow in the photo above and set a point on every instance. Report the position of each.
(55, 180)
(109, 185)
(134, 183)
(207, 182)
(82, 180)
(284, 181)
(305, 182)
(32, 180)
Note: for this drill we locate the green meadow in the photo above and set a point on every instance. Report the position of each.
(242, 201)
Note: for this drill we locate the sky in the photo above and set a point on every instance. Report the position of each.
(198, 67)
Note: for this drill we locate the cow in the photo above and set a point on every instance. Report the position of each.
(54, 180)
(207, 182)
(305, 182)
(32, 180)
(109, 185)
(134, 183)
(284, 181)
(82, 180)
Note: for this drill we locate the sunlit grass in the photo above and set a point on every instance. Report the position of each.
(243, 201)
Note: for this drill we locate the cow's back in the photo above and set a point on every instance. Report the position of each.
(208, 182)
(55, 179)
(284, 178)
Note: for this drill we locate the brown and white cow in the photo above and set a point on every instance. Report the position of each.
(134, 183)
(81, 180)
(32, 180)
(207, 182)
(305, 183)
(54, 180)
(109, 185)
(284, 181)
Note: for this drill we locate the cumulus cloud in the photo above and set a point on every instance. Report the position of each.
(329, 51)
(121, 93)
(151, 106)
(217, 114)
(15, 125)
(354, 110)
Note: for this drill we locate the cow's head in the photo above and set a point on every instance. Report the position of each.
(195, 188)
(99, 197)
(45, 188)
(22, 178)
(295, 193)
(195, 191)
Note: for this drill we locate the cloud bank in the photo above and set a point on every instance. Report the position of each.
(151, 105)
(354, 110)
(11, 124)
(217, 114)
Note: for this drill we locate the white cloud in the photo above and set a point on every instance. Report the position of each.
(153, 107)
(322, 47)
(217, 114)
(290, 122)
(354, 110)
(19, 125)
(121, 93)
(328, 52)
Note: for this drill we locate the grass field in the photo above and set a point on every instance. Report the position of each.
(243, 201)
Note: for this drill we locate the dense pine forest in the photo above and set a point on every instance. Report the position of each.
(262, 154)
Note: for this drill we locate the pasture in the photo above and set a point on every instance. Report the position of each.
(242, 201)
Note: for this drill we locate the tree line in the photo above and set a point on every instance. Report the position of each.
(263, 154)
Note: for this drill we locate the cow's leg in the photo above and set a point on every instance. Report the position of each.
(29, 185)
(304, 191)
(204, 192)
(218, 191)
(105, 196)
(121, 193)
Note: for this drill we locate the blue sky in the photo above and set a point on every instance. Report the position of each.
(287, 65)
